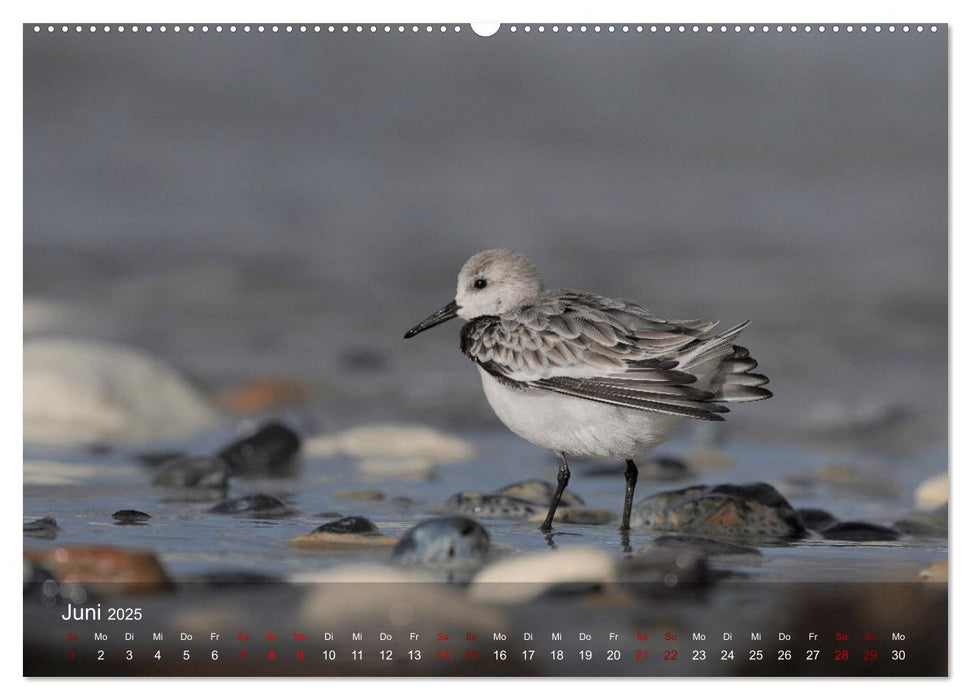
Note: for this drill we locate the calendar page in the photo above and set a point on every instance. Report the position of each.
(485, 350)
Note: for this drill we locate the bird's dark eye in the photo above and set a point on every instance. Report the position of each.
(480, 283)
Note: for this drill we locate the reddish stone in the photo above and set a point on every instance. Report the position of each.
(132, 569)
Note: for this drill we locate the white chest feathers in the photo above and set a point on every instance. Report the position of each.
(574, 426)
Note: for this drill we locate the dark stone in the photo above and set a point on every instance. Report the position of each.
(258, 504)
(492, 506)
(658, 570)
(703, 546)
(193, 472)
(330, 514)
(816, 519)
(446, 542)
(270, 451)
(571, 589)
(353, 524)
(860, 532)
(125, 517)
(728, 510)
(924, 524)
(99, 448)
(44, 528)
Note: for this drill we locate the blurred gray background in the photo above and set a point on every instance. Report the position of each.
(288, 205)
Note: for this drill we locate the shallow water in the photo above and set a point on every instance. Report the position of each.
(82, 491)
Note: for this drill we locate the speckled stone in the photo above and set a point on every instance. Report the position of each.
(491, 506)
(540, 492)
(524, 500)
(446, 542)
(733, 510)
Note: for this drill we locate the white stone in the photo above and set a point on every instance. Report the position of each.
(519, 579)
(932, 493)
(82, 391)
(391, 441)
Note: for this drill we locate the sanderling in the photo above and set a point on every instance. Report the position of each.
(587, 376)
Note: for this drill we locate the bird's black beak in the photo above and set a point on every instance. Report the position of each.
(446, 313)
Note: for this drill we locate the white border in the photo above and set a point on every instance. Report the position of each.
(831, 11)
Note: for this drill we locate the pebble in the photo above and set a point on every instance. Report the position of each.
(860, 532)
(362, 495)
(816, 519)
(524, 578)
(524, 500)
(193, 472)
(271, 451)
(935, 573)
(735, 510)
(540, 492)
(262, 394)
(329, 541)
(491, 506)
(82, 391)
(924, 524)
(577, 515)
(700, 545)
(130, 517)
(932, 493)
(658, 569)
(445, 542)
(44, 528)
(352, 524)
(133, 570)
(391, 440)
(257, 504)
(352, 532)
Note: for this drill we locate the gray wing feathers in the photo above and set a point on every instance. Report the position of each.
(613, 352)
(735, 381)
(639, 400)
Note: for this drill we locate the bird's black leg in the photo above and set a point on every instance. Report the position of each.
(631, 476)
(562, 478)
